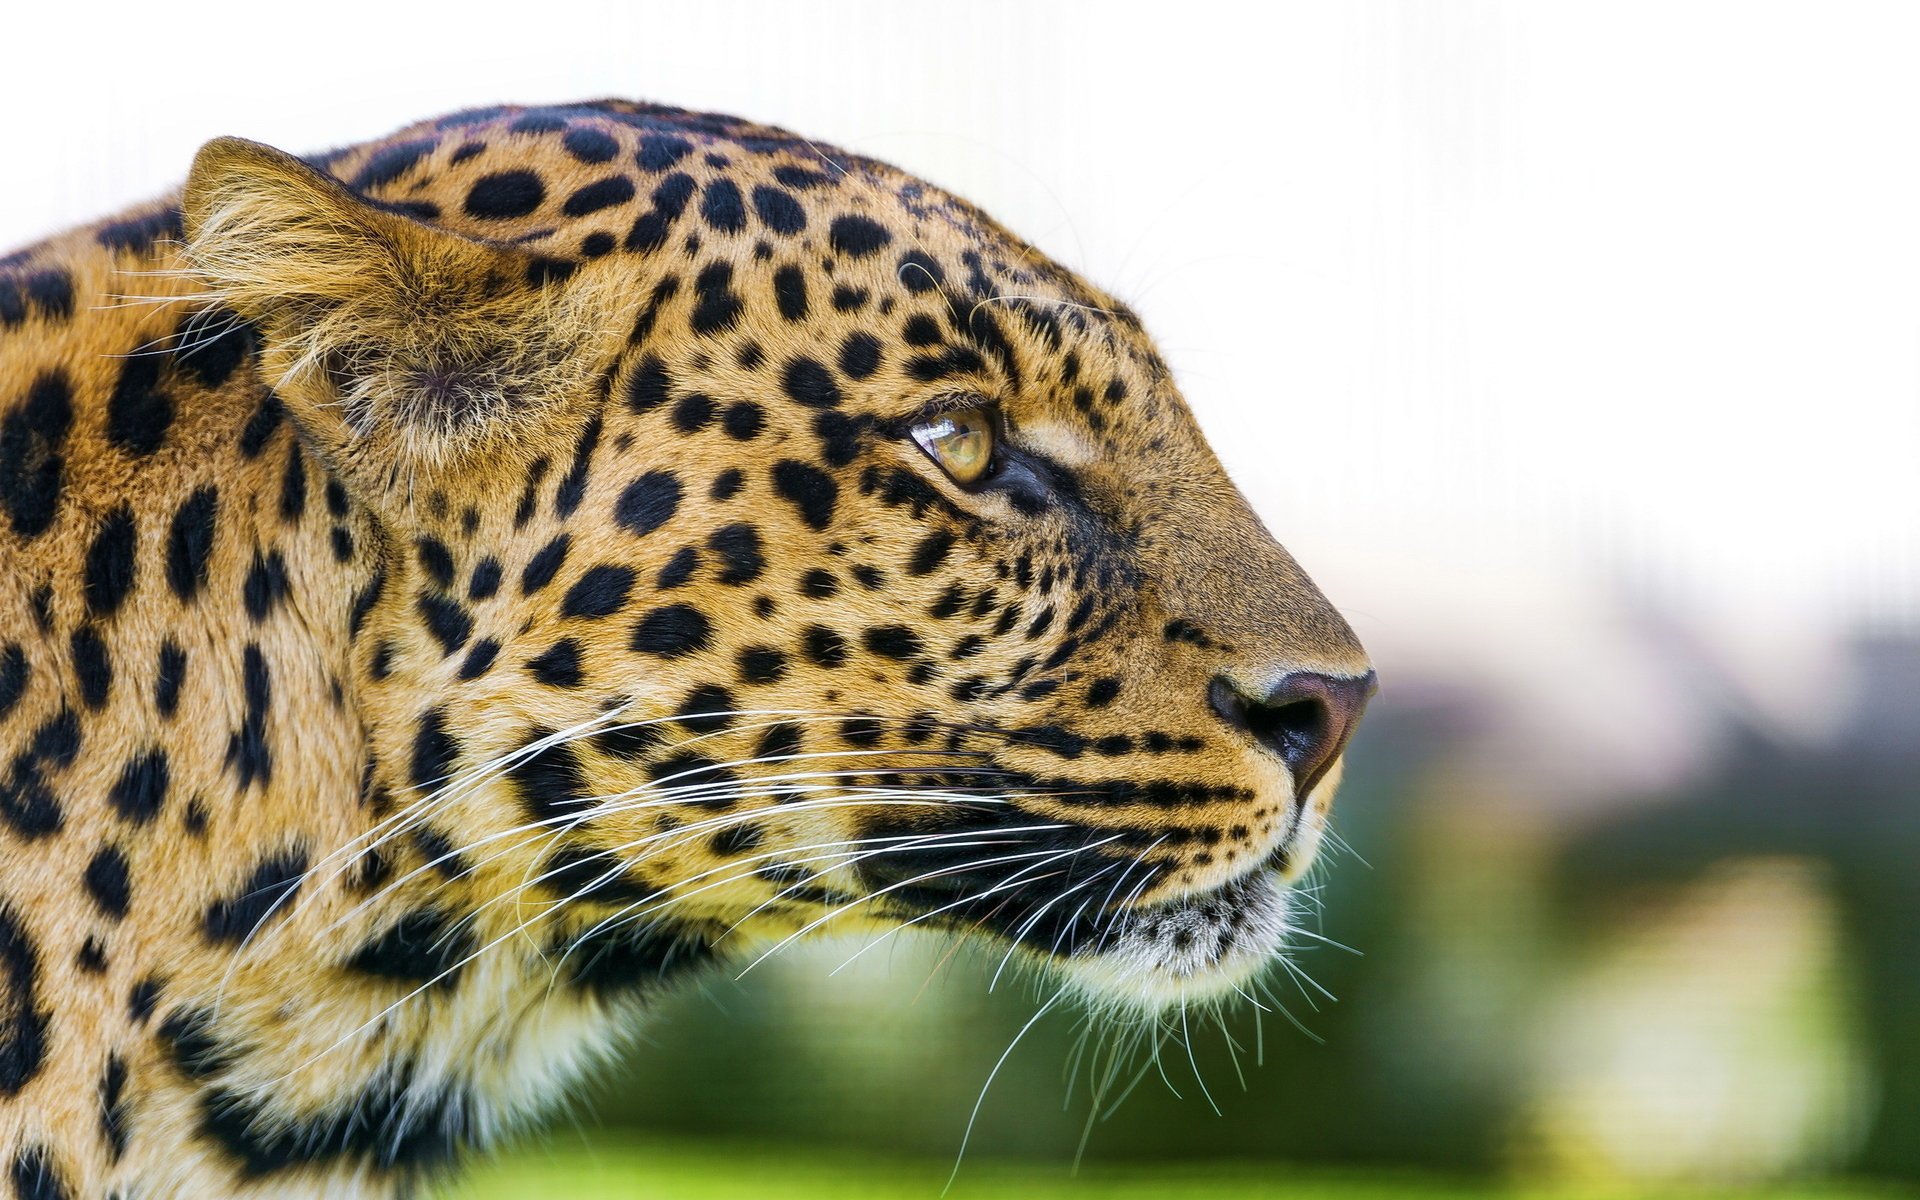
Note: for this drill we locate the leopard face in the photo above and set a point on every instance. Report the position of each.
(774, 544)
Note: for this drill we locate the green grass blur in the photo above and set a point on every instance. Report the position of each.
(699, 1171)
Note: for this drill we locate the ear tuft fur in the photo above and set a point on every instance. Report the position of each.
(381, 324)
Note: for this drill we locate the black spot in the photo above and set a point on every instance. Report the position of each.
(434, 751)
(138, 412)
(618, 959)
(479, 658)
(110, 563)
(893, 641)
(631, 740)
(266, 584)
(558, 665)
(919, 272)
(31, 441)
(848, 299)
(778, 742)
(529, 491)
(92, 668)
(597, 244)
(23, 1023)
(839, 437)
(187, 1034)
(800, 179)
(921, 330)
(437, 851)
(436, 560)
(706, 709)
(857, 237)
(736, 840)
(425, 947)
(262, 424)
(744, 420)
(679, 569)
(394, 1124)
(190, 541)
(142, 998)
(538, 120)
(648, 503)
(672, 632)
(716, 307)
(114, 1107)
(212, 345)
(141, 791)
(365, 599)
(573, 486)
(762, 664)
(247, 750)
(599, 592)
(738, 546)
(657, 153)
(930, 553)
(169, 674)
(693, 413)
(447, 620)
(721, 207)
(590, 145)
(485, 580)
(860, 355)
(293, 485)
(138, 233)
(811, 384)
(576, 873)
(781, 212)
(57, 741)
(647, 387)
(811, 491)
(544, 565)
(551, 781)
(36, 1177)
(819, 584)
(825, 647)
(389, 163)
(51, 292)
(650, 229)
(790, 292)
(504, 195)
(14, 670)
(108, 882)
(604, 193)
(727, 484)
(264, 894)
(1101, 692)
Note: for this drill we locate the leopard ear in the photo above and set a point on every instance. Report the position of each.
(389, 339)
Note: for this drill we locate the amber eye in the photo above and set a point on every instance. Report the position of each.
(960, 441)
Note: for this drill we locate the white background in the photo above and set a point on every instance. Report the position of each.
(1508, 317)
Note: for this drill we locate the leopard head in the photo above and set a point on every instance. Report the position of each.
(773, 544)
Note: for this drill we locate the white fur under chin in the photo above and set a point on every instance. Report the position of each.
(1188, 952)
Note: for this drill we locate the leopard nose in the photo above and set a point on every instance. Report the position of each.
(1305, 718)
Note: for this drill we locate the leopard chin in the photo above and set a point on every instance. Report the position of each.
(1191, 951)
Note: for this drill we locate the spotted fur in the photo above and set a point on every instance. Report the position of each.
(455, 586)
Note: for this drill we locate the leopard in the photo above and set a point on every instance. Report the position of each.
(459, 587)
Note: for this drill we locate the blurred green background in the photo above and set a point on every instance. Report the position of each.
(1569, 983)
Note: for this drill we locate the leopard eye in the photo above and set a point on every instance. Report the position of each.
(960, 441)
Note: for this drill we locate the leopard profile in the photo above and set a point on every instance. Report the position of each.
(454, 587)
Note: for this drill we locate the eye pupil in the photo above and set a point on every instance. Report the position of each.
(961, 442)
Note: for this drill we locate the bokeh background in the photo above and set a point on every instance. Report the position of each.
(1575, 349)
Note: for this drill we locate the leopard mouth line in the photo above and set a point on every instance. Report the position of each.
(1192, 948)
